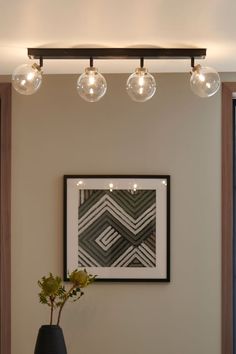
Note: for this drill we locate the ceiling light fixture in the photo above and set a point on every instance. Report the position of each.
(91, 85)
(27, 78)
(204, 81)
(141, 86)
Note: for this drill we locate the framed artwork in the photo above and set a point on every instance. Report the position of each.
(117, 227)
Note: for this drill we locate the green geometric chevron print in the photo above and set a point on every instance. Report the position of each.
(117, 228)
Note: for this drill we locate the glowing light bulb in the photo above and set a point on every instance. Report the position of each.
(204, 81)
(141, 85)
(27, 79)
(91, 85)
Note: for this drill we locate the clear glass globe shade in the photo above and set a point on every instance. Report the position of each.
(141, 85)
(204, 81)
(91, 85)
(27, 79)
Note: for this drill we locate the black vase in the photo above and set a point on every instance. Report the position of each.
(50, 340)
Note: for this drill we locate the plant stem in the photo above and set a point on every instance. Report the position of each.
(51, 312)
(63, 303)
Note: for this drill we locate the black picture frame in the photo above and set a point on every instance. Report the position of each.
(118, 226)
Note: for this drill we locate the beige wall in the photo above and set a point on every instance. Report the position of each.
(176, 133)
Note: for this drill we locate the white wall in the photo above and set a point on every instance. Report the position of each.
(176, 133)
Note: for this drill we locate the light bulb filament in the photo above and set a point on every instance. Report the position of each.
(202, 77)
(141, 81)
(30, 76)
(91, 79)
(140, 90)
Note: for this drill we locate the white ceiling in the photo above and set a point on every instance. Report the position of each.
(118, 23)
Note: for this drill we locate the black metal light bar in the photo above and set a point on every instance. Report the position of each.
(116, 53)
